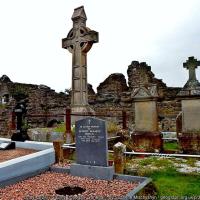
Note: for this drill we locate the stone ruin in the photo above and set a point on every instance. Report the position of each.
(113, 94)
(40, 100)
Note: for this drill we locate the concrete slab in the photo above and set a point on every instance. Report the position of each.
(96, 172)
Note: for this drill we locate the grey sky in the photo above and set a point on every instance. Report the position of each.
(162, 33)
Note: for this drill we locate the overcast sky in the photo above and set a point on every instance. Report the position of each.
(162, 33)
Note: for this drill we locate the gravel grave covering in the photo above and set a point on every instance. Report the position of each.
(43, 187)
(14, 153)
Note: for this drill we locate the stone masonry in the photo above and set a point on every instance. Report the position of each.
(41, 100)
(112, 95)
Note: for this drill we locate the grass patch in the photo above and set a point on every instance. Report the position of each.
(166, 179)
(173, 146)
(60, 128)
(191, 162)
(172, 183)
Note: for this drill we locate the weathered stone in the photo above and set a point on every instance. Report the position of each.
(191, 64)
(5, 79)
(79, 41)
(115, 84)
(189, 136)
(41, 101)
(119, 157)
(146, 116)
(147, 141)
(140, 73)
(58, 150)
(191, 115)
(91, 94)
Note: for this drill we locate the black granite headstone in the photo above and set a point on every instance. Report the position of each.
(91, 142)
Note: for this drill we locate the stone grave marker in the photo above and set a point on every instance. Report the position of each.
(91, 142)
(189, 126)
(91, 150)
(78, 42)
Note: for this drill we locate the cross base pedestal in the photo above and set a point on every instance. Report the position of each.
(79, 112)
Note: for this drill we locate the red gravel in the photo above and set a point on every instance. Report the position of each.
(44, 186)
(14, 153)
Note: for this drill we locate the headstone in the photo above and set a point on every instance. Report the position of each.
(7, 145)
(21, 132)
(189, 135)
(91, 150)
(91, 142)
(78, 42)
(146, 136)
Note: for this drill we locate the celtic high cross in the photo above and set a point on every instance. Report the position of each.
(79, 41)
(191, 64)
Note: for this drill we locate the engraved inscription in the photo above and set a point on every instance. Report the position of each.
(91, 142)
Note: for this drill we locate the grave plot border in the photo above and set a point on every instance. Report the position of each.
(23, 167)
(143, 181)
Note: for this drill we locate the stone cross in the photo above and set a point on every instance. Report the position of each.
(191, 64)
(78, 42)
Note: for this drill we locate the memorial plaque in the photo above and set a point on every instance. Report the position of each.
(91, 142)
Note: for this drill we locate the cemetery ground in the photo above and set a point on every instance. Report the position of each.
(14, 153)
(171, 176)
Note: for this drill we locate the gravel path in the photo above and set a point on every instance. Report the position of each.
(14, 153)
(44, 186)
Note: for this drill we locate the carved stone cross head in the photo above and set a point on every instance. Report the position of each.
(79, 38)
(191, 64)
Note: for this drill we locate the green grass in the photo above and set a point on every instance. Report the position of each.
(60, 128)
(171, 146)
(166, 179)
(172, 183)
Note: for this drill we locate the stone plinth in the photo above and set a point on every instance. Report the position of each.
(79, 112)
(146, 136)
